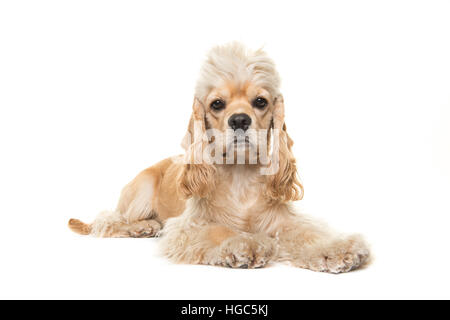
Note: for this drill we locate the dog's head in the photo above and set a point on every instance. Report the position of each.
(238, 90)
(237, 101)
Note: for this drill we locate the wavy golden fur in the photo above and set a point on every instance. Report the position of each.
(230, 213)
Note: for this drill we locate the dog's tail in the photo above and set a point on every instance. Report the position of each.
(79, 227)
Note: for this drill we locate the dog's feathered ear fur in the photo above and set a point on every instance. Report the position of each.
(189, 136)
(284, 185)
(196, 179)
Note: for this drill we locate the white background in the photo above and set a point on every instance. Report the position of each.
(92, 92)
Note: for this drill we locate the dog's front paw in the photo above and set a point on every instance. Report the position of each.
(144, 229)
(341, 255)
(245, 252)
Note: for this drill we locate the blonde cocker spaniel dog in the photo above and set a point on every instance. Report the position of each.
(228, 200)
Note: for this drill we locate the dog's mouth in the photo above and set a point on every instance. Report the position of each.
(242, 143)
(239, 144)
(241, 140)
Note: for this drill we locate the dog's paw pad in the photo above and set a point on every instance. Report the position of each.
(342, 256)
(245, 253)
(144, 229)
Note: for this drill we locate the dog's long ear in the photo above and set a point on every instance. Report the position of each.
(284, 185)
(195, 116)
(196, 178)
(189, 136)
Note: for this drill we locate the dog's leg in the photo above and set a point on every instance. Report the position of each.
(309, 245)
(186, 240)
(112, 225)
(303, 242)
(134, 216)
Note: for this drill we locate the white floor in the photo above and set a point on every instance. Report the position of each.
(41, 258)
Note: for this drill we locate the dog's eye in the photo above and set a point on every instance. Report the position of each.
(260, 103)
(218, 105)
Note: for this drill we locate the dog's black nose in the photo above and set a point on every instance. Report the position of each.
(239, 121)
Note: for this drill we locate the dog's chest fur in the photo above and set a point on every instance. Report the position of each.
(237, 197)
